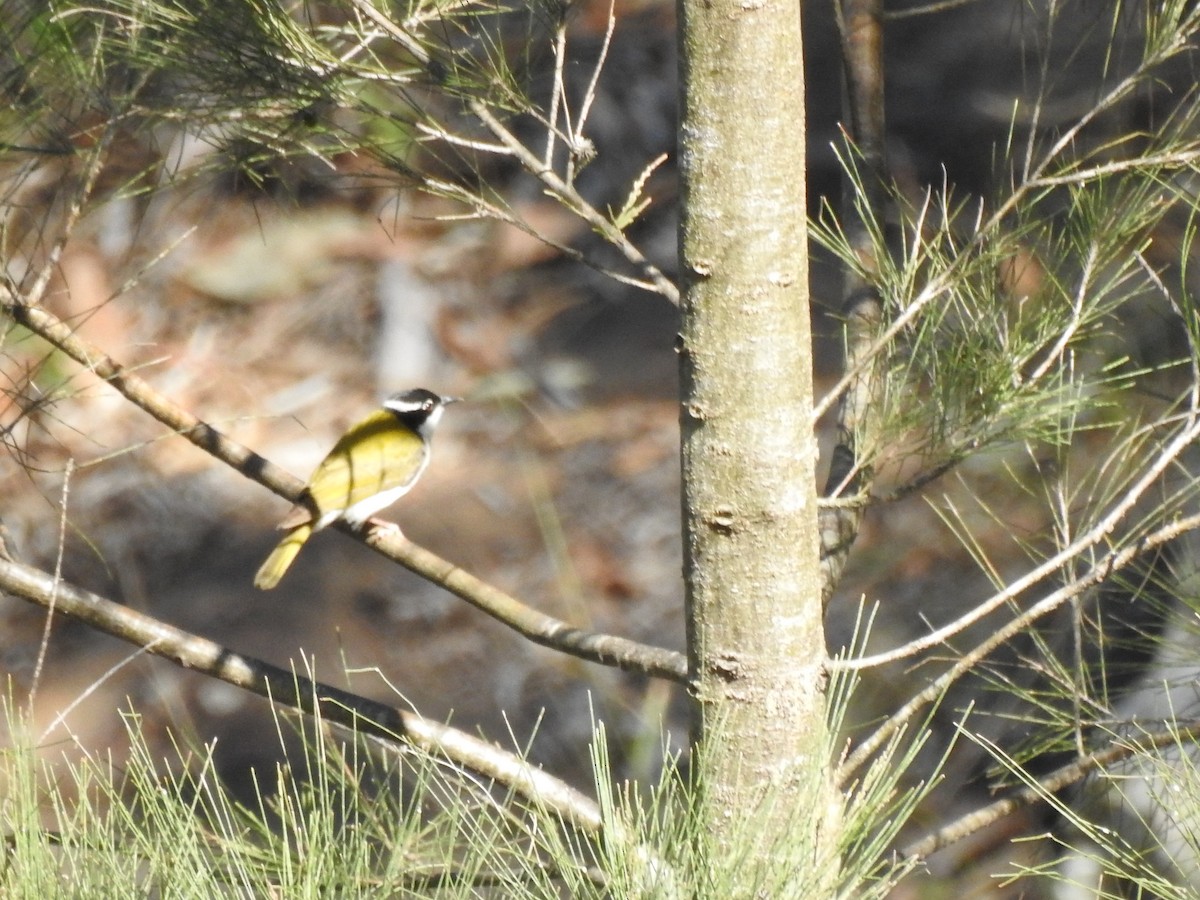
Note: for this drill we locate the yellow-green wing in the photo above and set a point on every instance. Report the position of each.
(378, 454)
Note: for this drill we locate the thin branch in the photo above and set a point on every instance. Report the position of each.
(557, 100)
(398, 34)
(574, 201)
(487, 209)
(1095, 535)
(1043, 789)
(1097, 574)
(94, 685)
(940, 6)
(44, 645)
(589, 96)
(458, 140)
(79, 198)
(383, 722)
(538, 627)
(1056, 353)
(1171, 159)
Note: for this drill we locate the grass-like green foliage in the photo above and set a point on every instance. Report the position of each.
(337, 817)
(1134, 828)
(971, 364)
(267, 82)
(976, 360)
(345, 816)
(1080, 413)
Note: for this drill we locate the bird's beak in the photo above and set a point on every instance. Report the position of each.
(448, 400)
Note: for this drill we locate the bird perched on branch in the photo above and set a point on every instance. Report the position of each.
(371, 466)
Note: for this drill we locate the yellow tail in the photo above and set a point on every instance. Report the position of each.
(282, 556)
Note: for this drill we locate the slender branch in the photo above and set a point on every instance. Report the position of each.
(1095, 535)
(484, 208)
(398, 34)
(385, 723)
(527, 621)
(1182, 158)
(44, 644)
(457, 140)
(928, 8)
(557, 100)
(1098, 573)
(1054, 357)
(79, 198)
(1042, 789)
(574, 201)
(589, 95)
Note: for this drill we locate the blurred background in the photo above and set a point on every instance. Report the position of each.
(283, 308)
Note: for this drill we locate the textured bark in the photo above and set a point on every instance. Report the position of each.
(756, 647)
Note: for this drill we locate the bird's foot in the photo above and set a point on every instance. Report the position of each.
(385, 529)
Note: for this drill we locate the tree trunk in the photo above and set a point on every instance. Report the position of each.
(756, 645)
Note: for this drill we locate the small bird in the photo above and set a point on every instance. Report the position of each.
(371, 466)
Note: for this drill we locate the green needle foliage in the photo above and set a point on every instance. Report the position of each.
(1004, 337)
(339, 816)
(335, 818)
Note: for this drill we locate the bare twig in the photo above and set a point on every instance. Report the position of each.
(44, 646)
(589, 95)
(1097, 534)
(557, 100)
(1095, 575)
(1054, 356)
(574, 201)
(83, 697)
(383, 722)
(484, 208)
(1175, 159)
(79, 197)
(394, 31)
(1042, 789)
(928, 8)
(534, 625)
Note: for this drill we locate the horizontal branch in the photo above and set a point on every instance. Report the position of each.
(387, 723)
(538, 627)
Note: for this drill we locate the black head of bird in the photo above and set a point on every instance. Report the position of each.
(371, 466)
